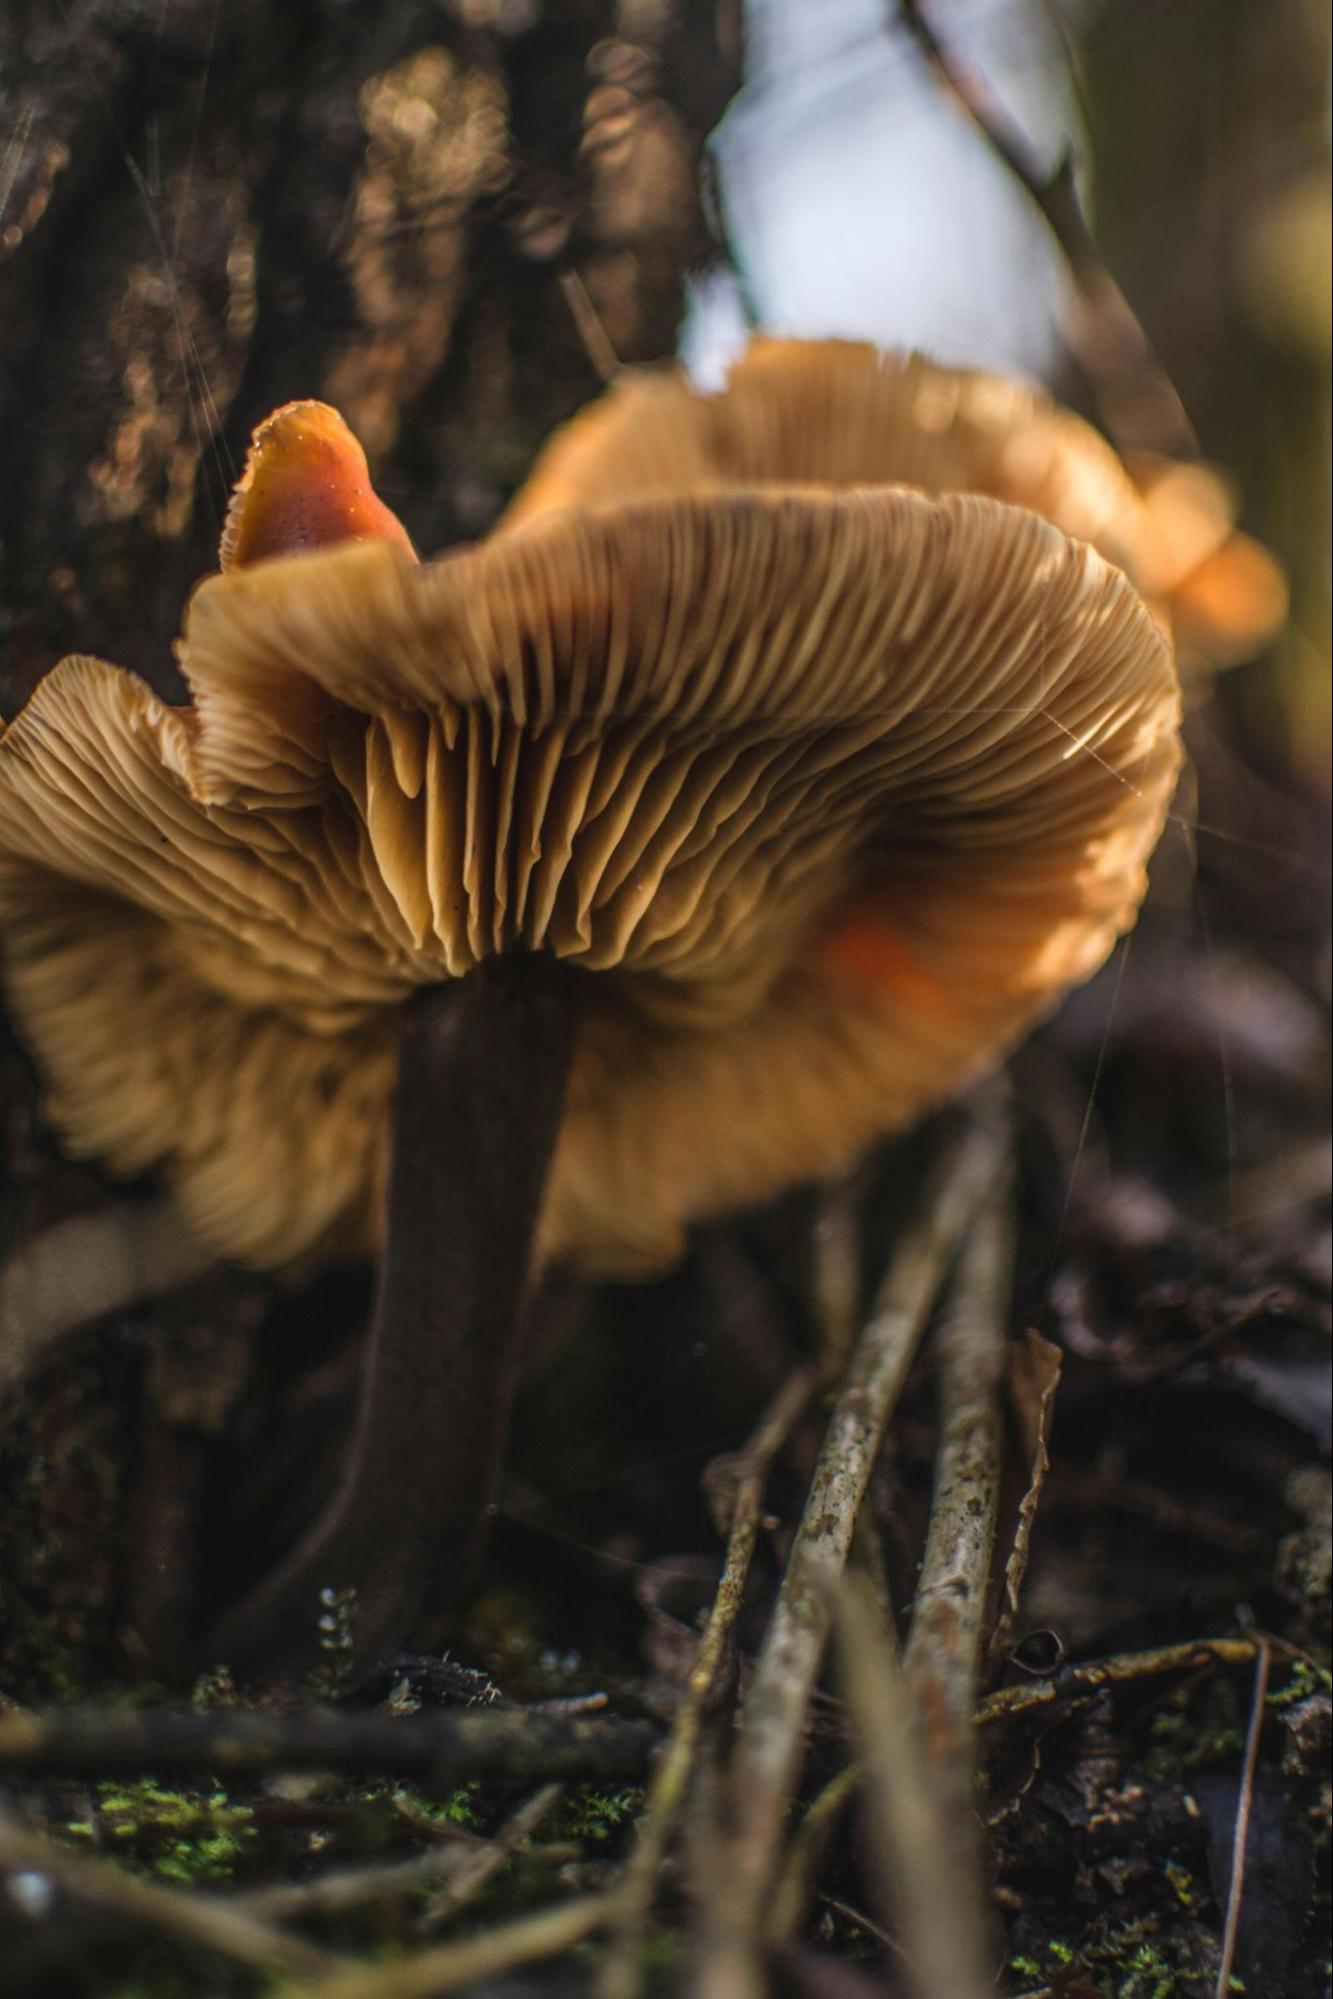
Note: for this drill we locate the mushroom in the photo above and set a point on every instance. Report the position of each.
(665, 855)
(842, 414)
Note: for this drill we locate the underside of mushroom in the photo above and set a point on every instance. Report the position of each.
(689, 844)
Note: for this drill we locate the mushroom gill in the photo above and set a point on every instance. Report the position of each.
(839, 793)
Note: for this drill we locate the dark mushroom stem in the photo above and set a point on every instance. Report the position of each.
(481, 1082)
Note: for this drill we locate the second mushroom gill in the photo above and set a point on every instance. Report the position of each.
(768, 816)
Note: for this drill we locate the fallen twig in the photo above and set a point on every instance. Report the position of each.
(1093, 1675)
(1241, 1835)
(837, 1271)
(351, 1887)
(944, 1645)
(191, 1917)
(768, 1754)
(805, 1854)
(466, 1865)
(1138, 400)
(445, 1749)
(620, 1975)
(944, 1648)
(943, 1940)
(943, 1654)
(1034, 1377)
(481, 1865)
(452, 1967)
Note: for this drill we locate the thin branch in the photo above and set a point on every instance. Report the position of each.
(466, 1865)
(440, 1748)
(1138, 401)
(944, 1647)
(837, 1271)
(1034, 1377)
(862, 1921)
(352, 1887)
(620, 1976)
(190, 1917)
(470, 1877)
(596, 340)
(715, 220)
(1120, 1669)
(1241, 1835)
(454, 1967)
(805, 1854)
(943, 1945)
(768, 1755)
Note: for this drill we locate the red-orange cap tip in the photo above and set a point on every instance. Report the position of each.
(305, 485)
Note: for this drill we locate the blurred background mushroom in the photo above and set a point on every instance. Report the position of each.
(835, 413)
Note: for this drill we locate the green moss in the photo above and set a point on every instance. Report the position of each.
(1127, 1964)
(1184, 1887)
(1304, 1679)
(594, 1814)
(424, 1809)
(181, 1836)
(1194, 1727)
(1150, 1976)
(460, 1807)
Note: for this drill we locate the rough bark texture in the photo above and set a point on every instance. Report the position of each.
(210, 210)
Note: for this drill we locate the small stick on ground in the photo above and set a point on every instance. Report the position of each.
(768, 1756)
(199, 1920)
(805, 1854)
(440, 1748)
(350, 1887)
(944, 1646)
(1093, 1675)
(454, 1967)
(837, 1271)
(1138, 400)
(943, 1658)
(942, 1940)
(1241, 1836)
(621, 1973)
(481, 1865)
(466, 1866)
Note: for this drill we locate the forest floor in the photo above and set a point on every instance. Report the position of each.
(1156, 1702)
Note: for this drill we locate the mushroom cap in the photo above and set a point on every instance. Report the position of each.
(835, 413)
(305, 484)
(835, 794)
